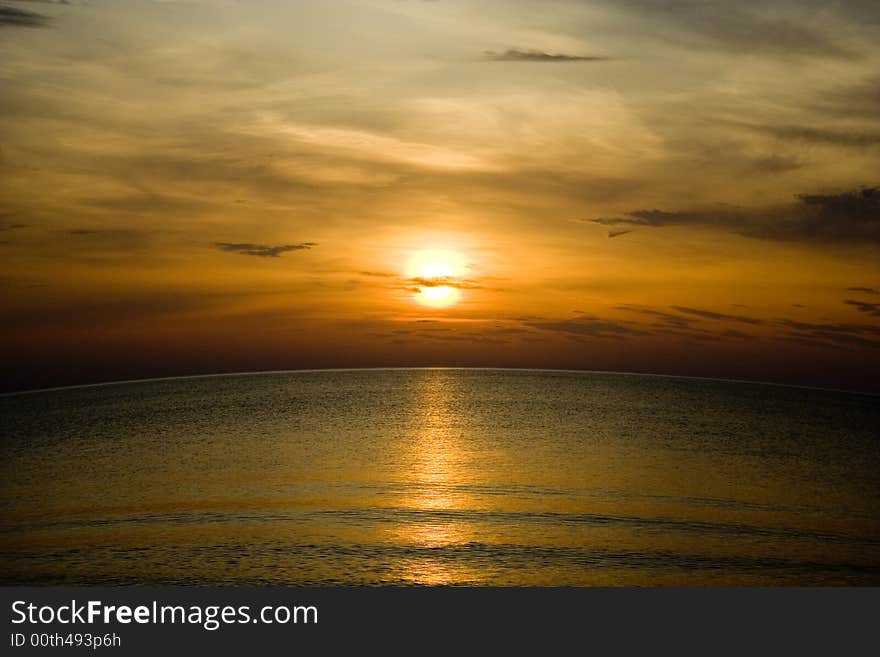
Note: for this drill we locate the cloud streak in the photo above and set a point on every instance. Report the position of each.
(664, 319)
(744, 27)
(518, 55)
(262, 250)
(847, 217)
(444, 281)
(588, 326)
(827, 334)
(872, 309)
(14, 17)
(842, 138)
(709, 314)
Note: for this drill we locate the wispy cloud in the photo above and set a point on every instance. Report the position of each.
(112, 242)
(860, 100)
(377, 274)
(850, 217)
(709, 314)
(588, 326)
(810, 134)
(14, 17)
(682, 322)
(444, 281)
(872, 309)
(832, 333)
(262, 250)
(517, 55)
(664, 318)
(746, 26)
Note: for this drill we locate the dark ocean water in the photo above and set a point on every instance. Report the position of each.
(440, 477)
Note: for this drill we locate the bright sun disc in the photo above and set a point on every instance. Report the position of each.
(428, 270)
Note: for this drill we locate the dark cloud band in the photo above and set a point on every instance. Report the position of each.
(848, 217)
(14, 17)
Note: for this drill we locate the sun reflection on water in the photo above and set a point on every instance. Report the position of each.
(439, 462)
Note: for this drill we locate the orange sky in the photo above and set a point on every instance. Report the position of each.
(207, 186)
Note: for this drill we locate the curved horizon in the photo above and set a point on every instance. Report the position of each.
(317, 370)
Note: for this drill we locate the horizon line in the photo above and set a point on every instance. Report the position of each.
(31, 391)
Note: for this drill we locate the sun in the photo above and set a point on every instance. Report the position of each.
(434, 272)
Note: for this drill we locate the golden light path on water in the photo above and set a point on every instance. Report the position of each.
(437, 456)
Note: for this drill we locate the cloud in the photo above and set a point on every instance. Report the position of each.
(377, 274)
(13, 17)
(262, 250)
(832, 334)
(709, 314)
(416, 284)
(747, 27)
(666, 319)
(100, 231)
(617, 233)
(843, 138)
(588, 326)
(142, 202)
(681, 325)
(872, 309)
(863, 290)
(860, 100)
(651, 218)
(517, 55)
(827, 335)
(104, 242)
(462, 337)
(847, 217)
(444, 281)
(856, 214)
(831, 327)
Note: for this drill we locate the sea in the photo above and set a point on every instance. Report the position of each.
(471, 477)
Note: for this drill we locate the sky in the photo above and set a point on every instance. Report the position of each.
(667, 186)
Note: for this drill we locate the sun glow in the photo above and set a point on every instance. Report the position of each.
(435, 273)
(439, 296)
